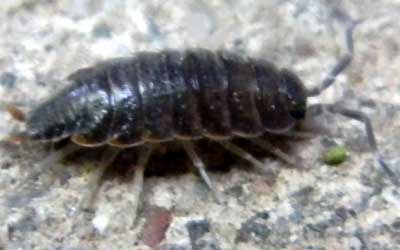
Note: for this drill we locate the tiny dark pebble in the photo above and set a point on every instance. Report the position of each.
(41, 83)
(48, 47)
(252, 229)
(197, 228)
(368, 103)
(8, 79)
(236, 191)
(328, 142)
(238, 42)
(23, 198)
(303, 196)
(396, 224)
(206, 245)
(101, 30)
(13, 181)
(352, 213)
(172, 247)
(342, 213)
(154, 29)
(248, 231)
(360, 236)
(6, 165)
(318, 227)
(315, 248)
(25, 224)
(262, 215)
(297, 216)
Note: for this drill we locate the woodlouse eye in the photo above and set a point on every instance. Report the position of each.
(296, 94)
(298, 111)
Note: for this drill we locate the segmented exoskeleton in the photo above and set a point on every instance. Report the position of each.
(167, 95)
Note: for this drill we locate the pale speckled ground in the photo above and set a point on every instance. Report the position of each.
(353, 206)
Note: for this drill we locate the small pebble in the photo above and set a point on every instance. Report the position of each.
(101, 30)
(336, 156)
(197, 228)
(8, 79)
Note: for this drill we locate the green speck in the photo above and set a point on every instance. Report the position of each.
(335, 156)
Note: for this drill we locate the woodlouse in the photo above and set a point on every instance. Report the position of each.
(154, 97)
(161, 96)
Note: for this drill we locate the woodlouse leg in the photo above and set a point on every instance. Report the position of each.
(54, 157)
(199, 164)
(28, 190)
(247, 156)
(275, 151)
(136, 186)
(93, 186)
(299, 134)
(341, 65)
(317, 109)
(363, 118)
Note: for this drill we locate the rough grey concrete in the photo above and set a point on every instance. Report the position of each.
(353, 206)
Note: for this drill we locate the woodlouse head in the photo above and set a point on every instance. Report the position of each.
(40, 123)
(47, 120)
(296, 94)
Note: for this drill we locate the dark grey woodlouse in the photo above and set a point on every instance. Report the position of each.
(154, 97)
(168, 95)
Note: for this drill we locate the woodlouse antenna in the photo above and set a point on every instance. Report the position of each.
(16, 138)
(16, 113)
(48, 172)
(317, 109)
(341, 65)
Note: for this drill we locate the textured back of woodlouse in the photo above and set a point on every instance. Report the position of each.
(160, 96)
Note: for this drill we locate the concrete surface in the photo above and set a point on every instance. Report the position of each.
(352, 206)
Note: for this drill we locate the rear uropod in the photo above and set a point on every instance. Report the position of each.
(182, 96)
